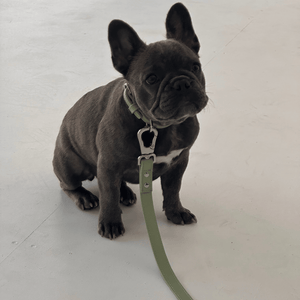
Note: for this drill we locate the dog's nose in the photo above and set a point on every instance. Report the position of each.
(181, 84)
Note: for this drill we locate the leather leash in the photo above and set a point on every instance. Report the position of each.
(145, 161)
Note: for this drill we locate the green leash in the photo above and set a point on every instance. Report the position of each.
(145, 162)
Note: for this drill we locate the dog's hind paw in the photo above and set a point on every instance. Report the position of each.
(83, 198)
(87, 202)
(127, 196)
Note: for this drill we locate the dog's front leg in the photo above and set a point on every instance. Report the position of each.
(171, 183)
(110, 222)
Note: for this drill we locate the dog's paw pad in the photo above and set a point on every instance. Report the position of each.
(111, 230)
(181, 217)
(128, 197)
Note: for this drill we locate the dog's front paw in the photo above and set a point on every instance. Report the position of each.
(180, 216)
(111, 230)
(127, 196)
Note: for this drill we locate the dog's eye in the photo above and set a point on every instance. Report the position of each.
(196, 68)
(151, 79)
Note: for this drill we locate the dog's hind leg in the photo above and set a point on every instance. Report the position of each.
(83, 198)
(127, 196)
(71, 170)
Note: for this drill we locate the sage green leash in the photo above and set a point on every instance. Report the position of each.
(145, 162)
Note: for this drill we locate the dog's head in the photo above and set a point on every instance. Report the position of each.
(165, 77)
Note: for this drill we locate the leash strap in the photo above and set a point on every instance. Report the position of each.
(146, 170)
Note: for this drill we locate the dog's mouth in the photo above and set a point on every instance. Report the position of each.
(179, 98)
(174, 111)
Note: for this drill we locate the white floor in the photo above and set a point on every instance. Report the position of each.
(242, 181)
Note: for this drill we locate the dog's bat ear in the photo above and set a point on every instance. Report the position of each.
(124, 44)
(179, 27)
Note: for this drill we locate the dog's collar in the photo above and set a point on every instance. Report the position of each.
(135, 110)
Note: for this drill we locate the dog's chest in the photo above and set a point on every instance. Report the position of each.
(161, 165)
(167, 159)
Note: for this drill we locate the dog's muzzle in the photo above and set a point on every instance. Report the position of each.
(180, 93)
(181, 83)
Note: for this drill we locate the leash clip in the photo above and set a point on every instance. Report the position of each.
(147, 151)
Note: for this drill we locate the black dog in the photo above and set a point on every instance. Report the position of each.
(98, 136)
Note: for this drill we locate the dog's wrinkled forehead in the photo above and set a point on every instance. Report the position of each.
(168, 54)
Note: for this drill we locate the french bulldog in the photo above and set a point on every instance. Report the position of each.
(98, 136)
